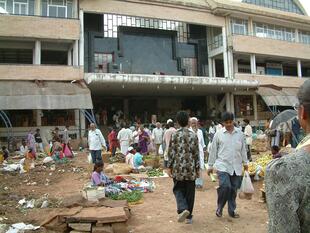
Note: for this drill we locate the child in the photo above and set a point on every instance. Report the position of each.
(98, 178)
(130, 155)
(138, 158)
(275, 152)
(5, 153)
(23, 148)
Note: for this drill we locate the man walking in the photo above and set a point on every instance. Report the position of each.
(124, 137)
(157, 136)
(248, 138)
(228, 152)
(95, 142)
(183, 167)
(167, 138)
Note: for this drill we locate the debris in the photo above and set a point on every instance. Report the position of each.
(21, 227)
(80, 226)
(48, 160)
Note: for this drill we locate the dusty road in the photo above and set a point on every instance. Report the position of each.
(156, 214)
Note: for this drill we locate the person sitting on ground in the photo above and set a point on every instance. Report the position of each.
(138, 158)
(98, 178)
(275, 150)
(130, 155)
(5, 153)
(23, 148)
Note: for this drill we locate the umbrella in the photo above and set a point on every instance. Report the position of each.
(283, 117)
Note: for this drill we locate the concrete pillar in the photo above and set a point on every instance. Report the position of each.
(82, 124)
(227, 96)
(76, 53)
(70, 57)
(37, 7)
(296, 35)
(299, 70)
(253, 64)
(210, 67)
(38, 117)
(37, 53)
(213, 67)
(232, 103)
(225, 54)
(81, 58)
(255, 107)
(77, 118)
(250, 27)
(230, 57)
(235, 65)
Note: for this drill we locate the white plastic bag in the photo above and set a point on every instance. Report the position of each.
(89, 158)
(160, 150)
(247, 189)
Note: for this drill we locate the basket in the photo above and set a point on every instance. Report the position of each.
(93, 194)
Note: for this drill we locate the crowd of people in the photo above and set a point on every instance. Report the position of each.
(183, 147)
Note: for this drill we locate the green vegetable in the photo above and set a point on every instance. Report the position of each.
(155, 172)
(133, 196)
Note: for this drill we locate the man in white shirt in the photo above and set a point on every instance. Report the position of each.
(248, 137)
(124, 137)
(157, 136)
(202, 146)
(228, 153)
(95, 143)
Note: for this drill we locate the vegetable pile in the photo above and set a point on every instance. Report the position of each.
(155, 172)
(133, 196)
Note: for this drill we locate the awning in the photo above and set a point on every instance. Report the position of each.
(18, 95)
(283, 97)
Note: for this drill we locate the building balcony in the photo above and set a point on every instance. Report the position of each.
(39, 27)
(40, 72)
(266, 46)
(270, 80)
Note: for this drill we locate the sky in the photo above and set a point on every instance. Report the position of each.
(306, 5)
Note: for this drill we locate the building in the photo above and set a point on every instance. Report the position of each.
(146, 58)
(41, 80)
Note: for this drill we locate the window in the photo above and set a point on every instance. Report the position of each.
(3, 4)
(190, 65)
(304, 37)
(102, 61)
(282, 5)
(239, 26)
(111, 23)
(59, 8)
(20, 7)
(274, 32)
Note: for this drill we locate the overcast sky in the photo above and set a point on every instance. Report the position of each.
(306, 5)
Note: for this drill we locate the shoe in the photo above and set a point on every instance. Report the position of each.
(219, 213)
(183, 216)
(234, 215)
(189, 221)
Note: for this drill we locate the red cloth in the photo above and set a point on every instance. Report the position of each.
(112, 138)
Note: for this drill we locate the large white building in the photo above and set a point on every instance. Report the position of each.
(149, 58)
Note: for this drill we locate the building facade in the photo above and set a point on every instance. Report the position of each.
(152, 58)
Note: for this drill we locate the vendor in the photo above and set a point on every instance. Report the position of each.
(138, 158)
(130, 156)
(98, 178)
(275, 150)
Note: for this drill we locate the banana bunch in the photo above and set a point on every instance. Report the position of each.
(263, 162)
(252, 168)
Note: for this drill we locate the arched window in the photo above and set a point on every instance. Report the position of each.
(283, 5)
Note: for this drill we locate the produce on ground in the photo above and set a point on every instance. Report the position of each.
(133, 196)
(155, 172)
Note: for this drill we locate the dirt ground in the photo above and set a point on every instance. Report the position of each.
(157, 213)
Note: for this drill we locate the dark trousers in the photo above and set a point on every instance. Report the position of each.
(248, 150)
(184, 192)
(227, 191)
(96, 156)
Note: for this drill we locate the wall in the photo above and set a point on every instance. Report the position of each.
(264, 46)
(39, 27)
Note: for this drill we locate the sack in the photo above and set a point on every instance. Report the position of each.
(89, 158)
(247, 189)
